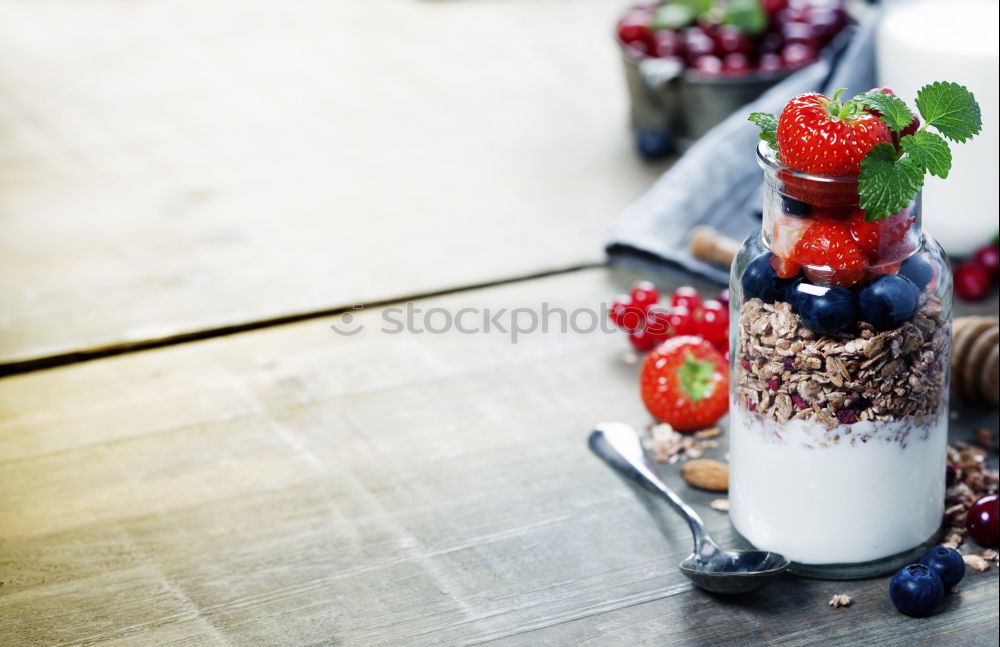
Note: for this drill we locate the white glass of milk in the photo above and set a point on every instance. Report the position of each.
(922, 41)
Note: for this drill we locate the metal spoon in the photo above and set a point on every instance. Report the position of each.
(709, 566)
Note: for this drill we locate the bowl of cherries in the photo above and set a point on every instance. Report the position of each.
(690, 63)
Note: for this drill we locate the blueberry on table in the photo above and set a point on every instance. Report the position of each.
(760, 281)
(823, 310)
(889, 301)
(947, 563)
(917, 270)
(653, 143)
(916, 590)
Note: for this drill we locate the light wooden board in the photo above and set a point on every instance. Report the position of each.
(174, 166)
(297, 487)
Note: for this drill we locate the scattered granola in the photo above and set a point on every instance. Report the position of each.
(722, 505)
(984, 438)
(969, 479)
(711, 432)
(975, 562)
(669, 446)
(990, 555)
(840, 600)
(786, 371)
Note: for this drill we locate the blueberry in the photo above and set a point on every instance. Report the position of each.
(794, 207)
(947, 563)
(888, 301)
(917, 270)
(653, 143)
(916, 590)
(761, 281)
(822, 309)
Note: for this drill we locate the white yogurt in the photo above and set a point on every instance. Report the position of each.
(840, 503)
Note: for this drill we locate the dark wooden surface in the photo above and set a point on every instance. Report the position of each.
(291, 486)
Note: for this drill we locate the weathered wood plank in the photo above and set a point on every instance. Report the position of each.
(297, 487)
(169, 167)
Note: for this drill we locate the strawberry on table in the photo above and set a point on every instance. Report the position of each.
(829, 254)
(685, 382)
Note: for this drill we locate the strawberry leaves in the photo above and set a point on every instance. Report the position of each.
(890, 179)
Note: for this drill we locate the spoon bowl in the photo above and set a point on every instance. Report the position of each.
(708, 566)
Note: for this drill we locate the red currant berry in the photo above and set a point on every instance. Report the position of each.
(983, 520)
(714, 321)
(972, 281)
(642, 340)
(988, 258)
(687, 297)
(625, 314)
(682, 321)
(644, 294)
(658, 321)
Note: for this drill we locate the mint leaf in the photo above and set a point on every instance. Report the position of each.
(768, 128)
(886, 184)
(679, 13)
(950, 108)
(747, 15)
(928, 150)
(895, 112)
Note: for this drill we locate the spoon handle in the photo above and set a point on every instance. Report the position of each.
(618, 445)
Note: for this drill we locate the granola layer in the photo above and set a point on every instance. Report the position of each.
(786, 371)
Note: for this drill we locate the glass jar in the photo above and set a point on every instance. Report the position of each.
(841, 338)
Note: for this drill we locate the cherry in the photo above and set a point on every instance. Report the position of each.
(687, 297)
(682, 321)
(697, 44)
(800, 32)
(771, 43)
(714, 321)
(797, 54)
(772, 7)
(644, 294)
(983, 520)
(972, 281)
(770, 63)
(988, 258)
(708, 65)
(634, 28)
(736, 63)
(667, 43)
(730, 40)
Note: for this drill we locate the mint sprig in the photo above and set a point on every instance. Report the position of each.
(950, 108)
(890, 179)
(768, 128)
(895, 112)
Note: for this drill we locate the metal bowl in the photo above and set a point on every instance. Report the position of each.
(685, 105)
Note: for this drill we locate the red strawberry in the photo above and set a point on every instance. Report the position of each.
(829, 254)
(685, 382)
(826, 137)
(880, 240)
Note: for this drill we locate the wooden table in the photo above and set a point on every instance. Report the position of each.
(289, 485)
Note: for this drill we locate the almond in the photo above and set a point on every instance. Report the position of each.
(706, 474)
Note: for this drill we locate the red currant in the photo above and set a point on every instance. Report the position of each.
(687, 297)
(682, 321)
(658, 321)
(972, 281)
(625, 314)
(644, 294)
(714, 321)
(983, 520)
(642, 340)
(988, 258)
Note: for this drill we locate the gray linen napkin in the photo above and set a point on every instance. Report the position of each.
(717, 182)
